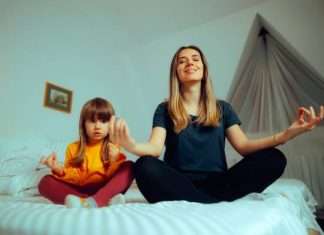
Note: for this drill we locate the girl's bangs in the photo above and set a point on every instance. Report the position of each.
(98, 113)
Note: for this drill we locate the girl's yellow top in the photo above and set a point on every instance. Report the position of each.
(92, 170)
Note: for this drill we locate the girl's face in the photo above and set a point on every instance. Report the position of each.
(96, 130)
(190, 67)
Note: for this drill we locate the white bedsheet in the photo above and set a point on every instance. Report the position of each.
(269, 213)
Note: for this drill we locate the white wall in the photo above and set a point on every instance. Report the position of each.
(70, 44)
(61, 43)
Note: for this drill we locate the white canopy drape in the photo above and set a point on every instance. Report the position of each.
(266, 95)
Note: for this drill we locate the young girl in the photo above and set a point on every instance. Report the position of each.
(94, 170)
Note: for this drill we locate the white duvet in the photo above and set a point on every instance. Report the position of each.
(285, 208)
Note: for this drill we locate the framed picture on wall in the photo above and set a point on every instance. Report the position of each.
(57, 98)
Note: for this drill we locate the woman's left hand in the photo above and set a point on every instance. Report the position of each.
(119, 133)
(305, 121)
(114, 152)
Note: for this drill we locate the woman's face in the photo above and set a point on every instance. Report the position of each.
(190, 67)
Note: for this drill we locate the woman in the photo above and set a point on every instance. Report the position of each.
(193, 125)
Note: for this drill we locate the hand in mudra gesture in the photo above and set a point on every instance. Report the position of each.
(51, 162)
(306, 120)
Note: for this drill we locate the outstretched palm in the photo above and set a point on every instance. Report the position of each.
(119, 133)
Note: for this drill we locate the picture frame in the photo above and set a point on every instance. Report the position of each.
(58, 98)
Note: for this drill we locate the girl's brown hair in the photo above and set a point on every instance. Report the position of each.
(95, 109)
(208, 112)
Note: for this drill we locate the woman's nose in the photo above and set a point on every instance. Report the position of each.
(189, 63)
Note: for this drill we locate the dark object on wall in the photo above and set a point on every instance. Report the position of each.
(57, 98)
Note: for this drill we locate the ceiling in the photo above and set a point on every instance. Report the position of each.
(147, 20)
(121, 24)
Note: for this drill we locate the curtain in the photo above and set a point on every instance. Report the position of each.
(266, 96)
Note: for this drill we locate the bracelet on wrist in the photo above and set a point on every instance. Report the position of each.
(274, 137)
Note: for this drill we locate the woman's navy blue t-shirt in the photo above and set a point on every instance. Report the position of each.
(196, 148)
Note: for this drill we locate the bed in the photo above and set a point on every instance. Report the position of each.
(285, 208)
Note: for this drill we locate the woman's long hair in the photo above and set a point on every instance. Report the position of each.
(208, 110)
(95, 109)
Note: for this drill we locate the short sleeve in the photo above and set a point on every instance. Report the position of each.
(229, 115)
(160, 118)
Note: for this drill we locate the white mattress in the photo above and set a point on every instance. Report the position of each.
(285, 208)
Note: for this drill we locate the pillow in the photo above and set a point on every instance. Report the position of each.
(9, 145)
(36, 144)
(17, 165)
(294, 189)
(19, 184)
(25, 159)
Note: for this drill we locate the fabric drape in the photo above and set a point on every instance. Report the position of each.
(266, 96)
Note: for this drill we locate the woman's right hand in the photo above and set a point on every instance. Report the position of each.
(119, 134)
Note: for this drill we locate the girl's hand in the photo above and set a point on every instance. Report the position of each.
(305, 121)
(119, 133)
(51, 162)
